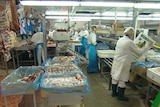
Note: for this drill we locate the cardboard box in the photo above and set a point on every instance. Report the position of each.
(139, 70)
(132, 77)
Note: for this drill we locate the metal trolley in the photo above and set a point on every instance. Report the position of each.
(60, 99)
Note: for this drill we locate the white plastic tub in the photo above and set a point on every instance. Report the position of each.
(105, 53)
(154, 74)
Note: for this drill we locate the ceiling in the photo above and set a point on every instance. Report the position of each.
(87, 11)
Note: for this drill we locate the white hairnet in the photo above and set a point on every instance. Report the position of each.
(128, 28)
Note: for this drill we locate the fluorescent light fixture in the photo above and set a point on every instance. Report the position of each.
(107, 4)
(50, 3)
(56, 17)
(149, 18)
(99, 4)
(112, 13)
(56, 12)
(77, 19)
(101, 18)
(70, 18)
(147, 5)
(88, 18)
(155, 15)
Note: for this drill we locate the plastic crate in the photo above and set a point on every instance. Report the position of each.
(13, 83)
(52, 83)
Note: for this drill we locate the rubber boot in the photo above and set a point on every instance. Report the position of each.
(114, 90)
(121, 94)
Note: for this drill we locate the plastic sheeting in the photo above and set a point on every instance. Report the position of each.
(67, 83)
(102, 46)
(147, 64)
(57, 67)
(13, 83)
(50, 61)
(93, 59)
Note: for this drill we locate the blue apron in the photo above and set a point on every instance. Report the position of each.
(82, 48)
(37, 45)
(93, 59)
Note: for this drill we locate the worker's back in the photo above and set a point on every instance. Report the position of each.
(37, 38)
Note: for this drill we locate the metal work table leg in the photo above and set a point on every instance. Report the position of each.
(34, 99)
(101, 67)
(5, 62)
(35, 58)
(5, 100)
(147, 95)
(17, 58)
(14, 62)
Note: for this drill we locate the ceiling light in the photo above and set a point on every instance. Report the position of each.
(113, 13)
(88, 18)
(49, 3)
(155, 15)
(56, 12)
(148, 18)
(147, 5)
(77, 19)
(107, 4)
(56, 17)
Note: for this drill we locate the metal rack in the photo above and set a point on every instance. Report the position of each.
(151, 85)
(106, 74)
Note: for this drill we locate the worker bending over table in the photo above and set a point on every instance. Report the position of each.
(37, 40)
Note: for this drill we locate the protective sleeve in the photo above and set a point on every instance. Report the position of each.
(139, 51)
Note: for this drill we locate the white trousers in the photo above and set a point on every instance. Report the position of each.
(40, 55)
(121, 84)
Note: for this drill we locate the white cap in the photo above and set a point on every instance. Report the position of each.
(127, 29)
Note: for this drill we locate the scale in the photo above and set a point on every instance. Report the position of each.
(61, 37)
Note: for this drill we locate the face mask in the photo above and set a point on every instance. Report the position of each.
(94, 29)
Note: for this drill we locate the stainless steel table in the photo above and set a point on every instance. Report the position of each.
(20, 50)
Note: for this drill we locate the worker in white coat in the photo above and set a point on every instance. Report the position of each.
(120, 70)
(37, 39)
(83, 39)
(92, 52)
(75, 35)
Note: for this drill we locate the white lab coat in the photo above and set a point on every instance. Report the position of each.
(84, 33)
(50, 35)
(92, 38)
(123, 57)
(75, 36)
(37, 38)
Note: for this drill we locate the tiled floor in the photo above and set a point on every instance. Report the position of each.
(99, 95)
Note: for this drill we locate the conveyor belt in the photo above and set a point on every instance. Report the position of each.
(82, 58)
